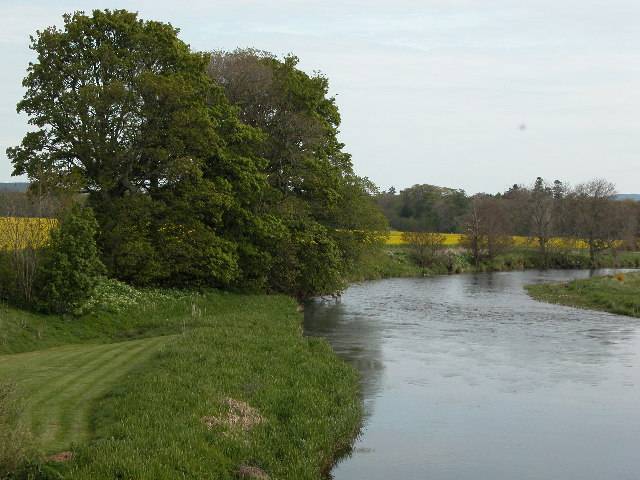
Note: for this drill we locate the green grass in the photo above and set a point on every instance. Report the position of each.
(154, 313)
(58, 385)
(616, 294)
(387, 262)
(134, 409)
(396, 261)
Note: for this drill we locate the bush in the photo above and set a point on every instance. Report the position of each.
(425, 247)
(308, 262)
(71, 267)
(194, 255)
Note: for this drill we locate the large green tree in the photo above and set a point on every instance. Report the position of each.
(201, 169)
(117, 106)
(325, 209)
(126, 112)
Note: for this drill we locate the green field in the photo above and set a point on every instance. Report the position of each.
(616, 294)
(58, 385)
(129, 392)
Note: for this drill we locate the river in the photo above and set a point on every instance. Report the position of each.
(465, 377)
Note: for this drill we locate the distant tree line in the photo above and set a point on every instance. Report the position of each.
(587, 215)
(219, 169)
(424, 208)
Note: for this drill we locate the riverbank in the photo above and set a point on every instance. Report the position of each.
(618, 294)
(396, 261)
(166, 384)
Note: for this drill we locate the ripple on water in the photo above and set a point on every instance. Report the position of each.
(466, 377)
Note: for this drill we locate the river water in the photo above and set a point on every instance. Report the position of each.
(465, 377)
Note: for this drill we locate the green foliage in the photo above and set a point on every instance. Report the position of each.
(168, 240)
(299, 120)
(118, 105)
(309, 262)
(199, 175)
(384, 263)
(400, 261)
(358, 222)
(425, 247)
(112, 296)
(135, 121)
(127, 239)
(7, 288)
(71, 266)
(425, 208)
(318, 206)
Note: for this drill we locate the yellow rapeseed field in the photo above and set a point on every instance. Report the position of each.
(23, 232)
(455, 239)
(450, 240)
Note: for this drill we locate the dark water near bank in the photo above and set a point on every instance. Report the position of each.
(465, 377)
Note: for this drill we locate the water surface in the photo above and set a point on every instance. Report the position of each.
(466, 377)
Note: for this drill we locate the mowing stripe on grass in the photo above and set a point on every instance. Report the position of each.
(59, 384)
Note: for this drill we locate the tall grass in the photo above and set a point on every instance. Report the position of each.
(15, 441)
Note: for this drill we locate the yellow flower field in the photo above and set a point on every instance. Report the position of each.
(451, 239)
(455, 239)
(22, 232)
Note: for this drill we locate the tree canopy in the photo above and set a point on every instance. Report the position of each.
(211, 169)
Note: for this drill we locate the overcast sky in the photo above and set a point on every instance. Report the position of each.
(461, 93)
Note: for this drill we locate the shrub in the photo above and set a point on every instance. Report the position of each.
(71, 266)
(309, 262)
(425, 246)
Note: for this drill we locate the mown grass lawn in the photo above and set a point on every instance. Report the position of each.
(618, 294)
(138, 408)
(57, 386)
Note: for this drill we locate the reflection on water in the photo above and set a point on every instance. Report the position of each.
(466, 377)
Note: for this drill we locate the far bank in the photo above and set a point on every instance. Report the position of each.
(619, 293)
(399, 261)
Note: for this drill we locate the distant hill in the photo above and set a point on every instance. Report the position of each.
(14, 186)
(628, 196)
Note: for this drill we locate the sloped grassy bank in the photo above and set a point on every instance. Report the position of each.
(397, 261)
(618, 294)
(234, 388)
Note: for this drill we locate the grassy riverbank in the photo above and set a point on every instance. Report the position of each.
(616, 294)
(397, 261)
(180, 385)
(389, 262)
